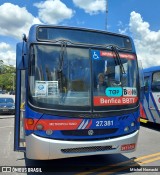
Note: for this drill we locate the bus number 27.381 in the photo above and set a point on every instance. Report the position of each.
(104, 123)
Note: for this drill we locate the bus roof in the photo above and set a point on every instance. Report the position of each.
(34, 27)
(52, 33)
(152, 69)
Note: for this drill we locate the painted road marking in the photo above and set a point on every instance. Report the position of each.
(126, 165)
(8, 146)
(132, 165)
(6, 127)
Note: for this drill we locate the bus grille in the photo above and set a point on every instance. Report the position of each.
(84, 132)
(87, 149)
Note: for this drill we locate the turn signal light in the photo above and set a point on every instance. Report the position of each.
(30, 121)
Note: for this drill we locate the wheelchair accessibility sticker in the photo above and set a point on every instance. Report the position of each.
(95, 54)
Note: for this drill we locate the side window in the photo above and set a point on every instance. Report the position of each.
(146, 84)
(156, 77)
(156, 82)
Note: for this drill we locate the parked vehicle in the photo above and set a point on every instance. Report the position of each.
(12, 92)
(7, 105)
(150, 108)
(3, 91)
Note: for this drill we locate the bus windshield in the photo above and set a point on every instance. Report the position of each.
(68, 78)
(115, 80)
(60, 77)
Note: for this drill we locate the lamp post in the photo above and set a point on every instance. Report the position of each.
(106, 22)
(13, 74)
(1, 66)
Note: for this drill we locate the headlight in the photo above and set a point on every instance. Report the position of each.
(126, 129)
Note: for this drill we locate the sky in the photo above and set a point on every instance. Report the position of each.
(139, 19)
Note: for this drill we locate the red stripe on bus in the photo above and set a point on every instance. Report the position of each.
(71, 124)
(29, 126)
(89, 124)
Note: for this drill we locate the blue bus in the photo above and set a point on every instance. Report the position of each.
(150, 108)
(77, 93)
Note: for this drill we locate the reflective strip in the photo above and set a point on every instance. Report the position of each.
(85, 125)
(81, 125)
(90, 123)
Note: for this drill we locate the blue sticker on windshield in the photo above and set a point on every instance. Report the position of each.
(95, 54)
(114, 92)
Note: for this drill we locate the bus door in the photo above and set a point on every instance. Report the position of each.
(145, 102)
(19, 134)
(154, 98)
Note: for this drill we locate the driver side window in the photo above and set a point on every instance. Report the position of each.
(156, 82)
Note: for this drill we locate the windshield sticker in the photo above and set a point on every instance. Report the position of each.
(117, 96)
(122, 55)
(95, 54)
(41, 88)
(46, 88)
(108, 101)
(129, 92)
(53, 88)
(114, 91)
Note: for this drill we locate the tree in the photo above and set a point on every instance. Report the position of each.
(7, 76)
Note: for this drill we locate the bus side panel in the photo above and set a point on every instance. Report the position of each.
(146, 112)
(151, 102)
(154, 106)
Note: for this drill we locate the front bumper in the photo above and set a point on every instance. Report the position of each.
(44, 149)
(7, 111)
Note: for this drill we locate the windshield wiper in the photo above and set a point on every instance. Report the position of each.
(61, 56)
(61, 78)
(118, 59)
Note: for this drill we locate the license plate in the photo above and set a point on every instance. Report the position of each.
(5, 110)
(128, 147)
